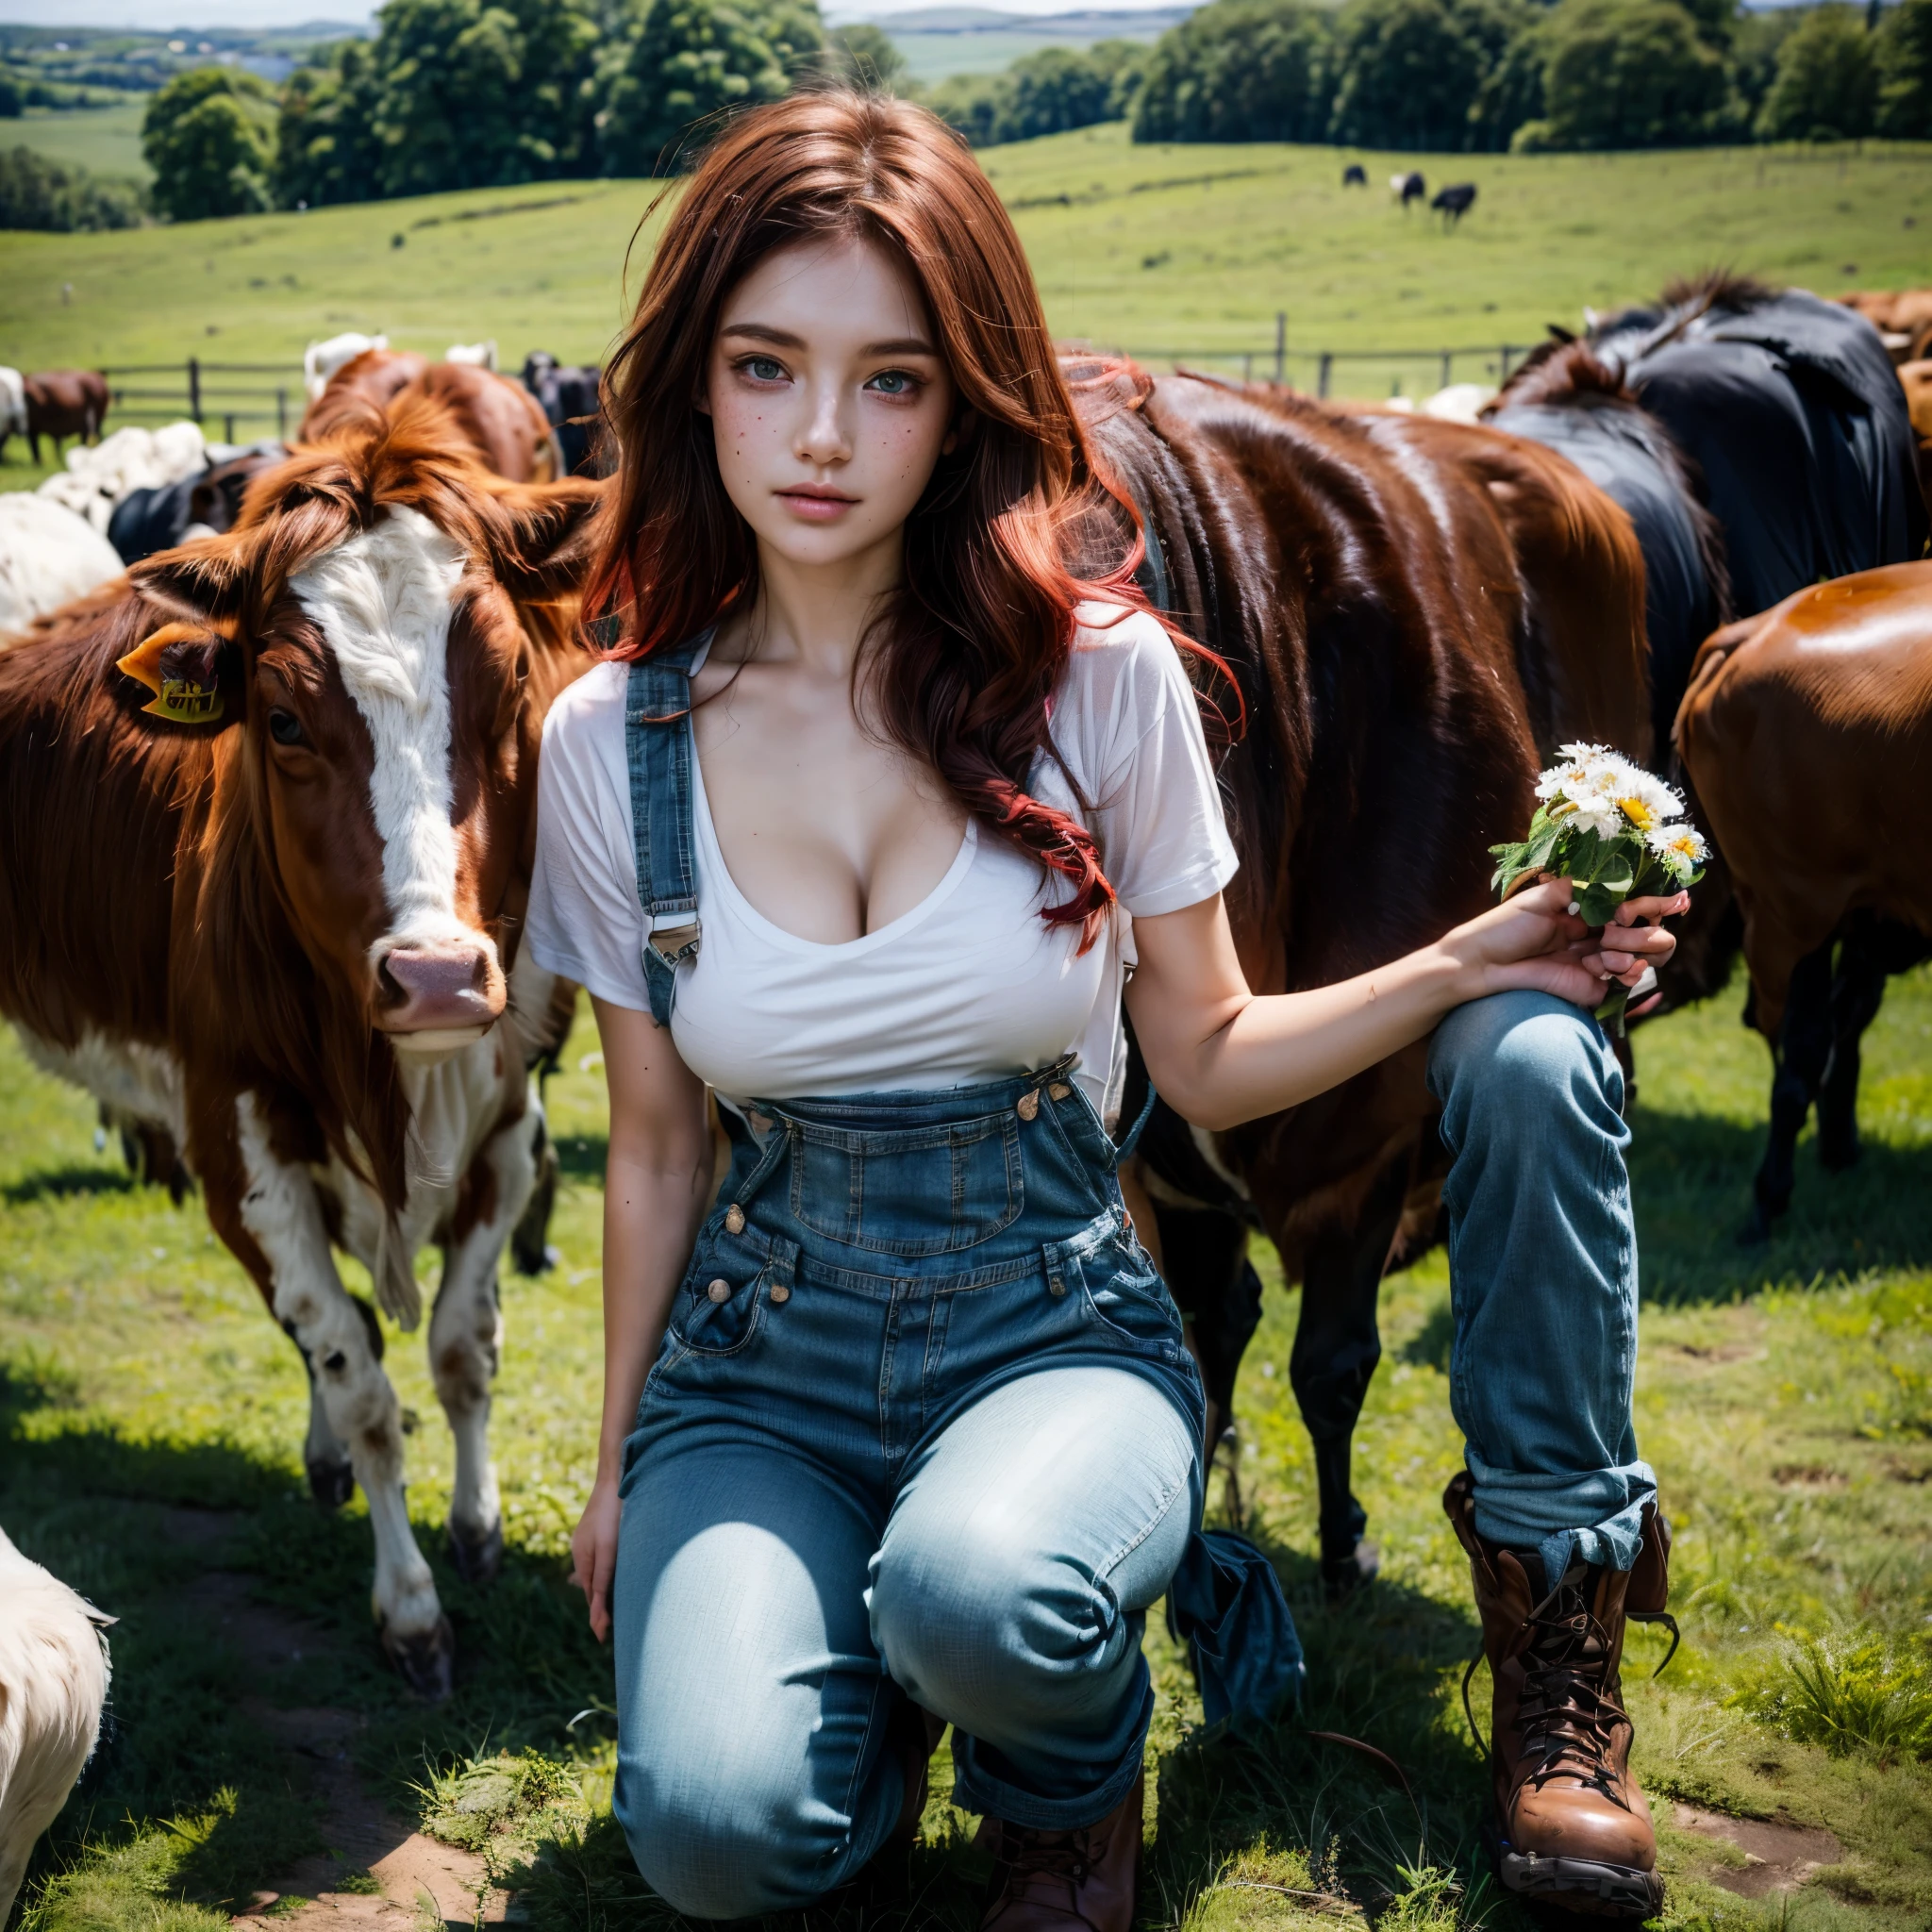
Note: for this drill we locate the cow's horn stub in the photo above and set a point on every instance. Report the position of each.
(179, 664)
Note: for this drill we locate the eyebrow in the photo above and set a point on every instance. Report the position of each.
(783, 339)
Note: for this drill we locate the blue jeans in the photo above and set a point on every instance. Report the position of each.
(1543, 1278)
(922, 1424)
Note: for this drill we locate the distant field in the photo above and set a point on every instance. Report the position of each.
(933, 55)
(107, 139)
(1154, 249)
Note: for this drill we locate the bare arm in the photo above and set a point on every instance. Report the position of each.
(657, 1180)
(1219, 1055)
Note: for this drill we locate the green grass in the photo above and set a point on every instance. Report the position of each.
(1191, 249)
(105, 139)
(150, 1422)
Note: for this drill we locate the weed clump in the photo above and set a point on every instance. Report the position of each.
(1850, 1697)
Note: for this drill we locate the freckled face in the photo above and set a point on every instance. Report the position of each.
(829, 398)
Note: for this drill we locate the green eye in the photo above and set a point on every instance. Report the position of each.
(891, 382)
(763, 369)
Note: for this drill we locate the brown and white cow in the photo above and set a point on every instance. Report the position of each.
(499, 419)
(62, 402)
(270, 806)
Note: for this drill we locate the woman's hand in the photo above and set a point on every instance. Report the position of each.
(593, 1552)
(1534, 940)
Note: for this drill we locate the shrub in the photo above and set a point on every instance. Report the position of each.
(36, 192)
(1827, 87)
(327, 147)
(863, 53)
(1408, 73)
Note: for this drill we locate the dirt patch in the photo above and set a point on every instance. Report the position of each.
(420, 1885)
(1779, 1856)
(1807, 1476)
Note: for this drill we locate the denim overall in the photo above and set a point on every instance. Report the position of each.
(884, 1275)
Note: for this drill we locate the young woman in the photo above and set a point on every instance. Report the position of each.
(864, 826)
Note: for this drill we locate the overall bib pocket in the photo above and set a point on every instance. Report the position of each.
(721, 1301)
(911, 1192)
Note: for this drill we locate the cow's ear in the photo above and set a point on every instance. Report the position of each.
(207, 578)
(185, 665)
(542, 535)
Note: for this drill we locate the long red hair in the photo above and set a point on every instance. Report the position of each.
(971, 648)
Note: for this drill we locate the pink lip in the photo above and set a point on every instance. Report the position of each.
(817, 504)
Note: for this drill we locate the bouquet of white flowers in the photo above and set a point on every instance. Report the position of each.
(1615, 829)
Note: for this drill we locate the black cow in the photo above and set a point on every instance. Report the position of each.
(1407, 188)
(572, 399)
(1454, 202)
(1355, 175)
(145, 521)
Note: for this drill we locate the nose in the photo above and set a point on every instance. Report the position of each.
(824, 440)
(438, 983)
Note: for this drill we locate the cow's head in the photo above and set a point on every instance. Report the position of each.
(381, 629)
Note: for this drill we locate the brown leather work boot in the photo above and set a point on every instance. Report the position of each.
(1057, 1881)
(1571, 1826)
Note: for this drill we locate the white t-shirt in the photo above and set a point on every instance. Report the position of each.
(972, 984)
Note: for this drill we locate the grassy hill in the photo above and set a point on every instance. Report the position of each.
(1188, 250)
(106, 140)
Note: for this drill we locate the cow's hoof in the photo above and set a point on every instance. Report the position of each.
(331, 1483)
(426, 1661)
(478, 1562)
(1343, 1576)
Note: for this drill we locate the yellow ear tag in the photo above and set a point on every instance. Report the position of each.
(176, 663)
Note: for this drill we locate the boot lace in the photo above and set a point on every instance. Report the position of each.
(1568, 1714)
(1060, 1860)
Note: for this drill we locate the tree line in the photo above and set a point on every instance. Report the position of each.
(1465, 76)
(483, 94)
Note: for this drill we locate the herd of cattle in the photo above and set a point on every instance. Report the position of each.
(270, 788)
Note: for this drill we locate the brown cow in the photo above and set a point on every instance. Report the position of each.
(1416, 612)
(62, 402)
(1903, 318)
(499, 419)
(269, 801)
(1807, 734)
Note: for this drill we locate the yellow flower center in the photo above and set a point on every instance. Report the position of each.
(1637, 812)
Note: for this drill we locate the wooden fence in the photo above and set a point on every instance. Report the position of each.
(231, 394)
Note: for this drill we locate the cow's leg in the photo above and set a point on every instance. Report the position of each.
(1858, 990)
(1804, 1046)
(1204, 1259)
(1337, 1346)
(266, 1208)
(331, 1475)
(466, 1333)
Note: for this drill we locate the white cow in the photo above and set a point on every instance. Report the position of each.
(49, 556)
(478, 355)
(52, 1685)
(320, 360)
(1461, 402)
(12, 405)
(97, 479)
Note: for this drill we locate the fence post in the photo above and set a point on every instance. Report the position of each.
(228, 435)
(1447, 360)
(1322, 375)
(1281, 343)
(1248, 366)
(194, 388)
(281, 415)
(1503, 369)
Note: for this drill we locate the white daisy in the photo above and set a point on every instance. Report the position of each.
(1644, 800)
(1681, 848)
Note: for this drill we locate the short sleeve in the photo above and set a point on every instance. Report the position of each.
(584, 920)
(1128, 726)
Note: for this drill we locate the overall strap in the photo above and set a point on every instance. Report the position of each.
(658, 750)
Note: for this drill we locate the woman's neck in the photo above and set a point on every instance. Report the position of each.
(814, 615)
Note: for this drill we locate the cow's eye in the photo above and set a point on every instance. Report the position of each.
(285, 727)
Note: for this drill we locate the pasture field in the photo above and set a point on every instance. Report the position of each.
(105, 139)
(262, 1759)
(1156, 249)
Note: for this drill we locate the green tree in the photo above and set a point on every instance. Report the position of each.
(1053, 91)
(1626, 74)
(1756, 41)
(1239, 69)
(326, 148)
(865, 54)
(1827, 80)
(977, 105)
(1904, 72)
(12, 102)
(683, 61)
(209, 138)
(1408, 72)
(447, 110)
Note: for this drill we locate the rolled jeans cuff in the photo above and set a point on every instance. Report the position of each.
(979, 1790)
(1596, 1517)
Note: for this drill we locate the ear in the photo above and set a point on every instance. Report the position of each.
(204, 580)
(183, 664)
(541, 536)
